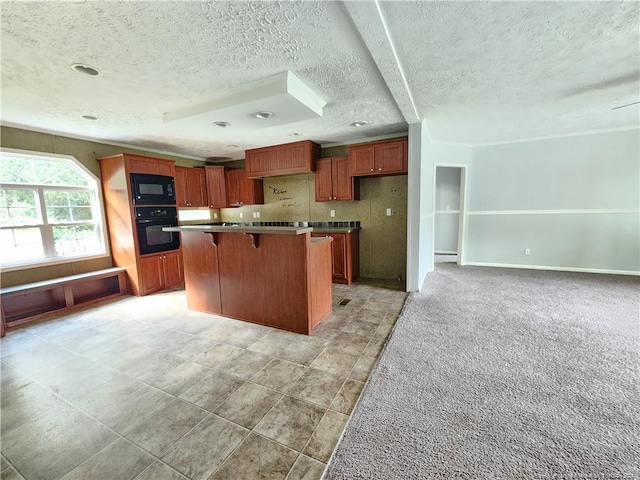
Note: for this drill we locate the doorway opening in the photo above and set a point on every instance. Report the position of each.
(449, 219)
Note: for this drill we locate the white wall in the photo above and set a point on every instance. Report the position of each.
(420, 207)
(447, 209)
(573, 201)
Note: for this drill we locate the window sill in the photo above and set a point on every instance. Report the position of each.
(50, 262)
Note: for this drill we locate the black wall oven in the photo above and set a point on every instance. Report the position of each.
(150, 221)
(148, 189)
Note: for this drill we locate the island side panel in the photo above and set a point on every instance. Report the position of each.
(201, 272)
(319, 281)
(267, 284)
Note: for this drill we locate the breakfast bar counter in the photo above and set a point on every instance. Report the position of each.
(274, 276)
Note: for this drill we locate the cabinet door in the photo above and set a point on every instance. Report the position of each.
(216, 186)
(345, 187)
(251, 192)
(361, 160)
(233, 187)
(149, 165)
(324, 181)
(391, 157)
(181, 186)
(196, 187)
(339, 254)
(173, 270)
(151, 274)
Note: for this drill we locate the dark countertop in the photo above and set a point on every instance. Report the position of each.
(334, 229)
(240, 229)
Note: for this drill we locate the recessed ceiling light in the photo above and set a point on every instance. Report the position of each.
(295, 134)
(86, 69)
(89, 117)
(359, 124)
(263, 115)
(222, 124)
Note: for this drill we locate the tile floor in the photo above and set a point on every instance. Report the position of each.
(142, 388)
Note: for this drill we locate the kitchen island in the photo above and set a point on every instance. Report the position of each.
(274, 276)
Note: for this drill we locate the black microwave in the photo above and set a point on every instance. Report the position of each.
(148, 189)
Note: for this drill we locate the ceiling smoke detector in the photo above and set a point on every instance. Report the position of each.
(359, 124)
(222, 124)
(85, 69)
(263, 115)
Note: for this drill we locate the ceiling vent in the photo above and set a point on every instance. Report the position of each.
(274, 101)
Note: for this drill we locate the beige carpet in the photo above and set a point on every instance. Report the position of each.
(503, 374)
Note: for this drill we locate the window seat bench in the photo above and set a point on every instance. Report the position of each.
(22, 303)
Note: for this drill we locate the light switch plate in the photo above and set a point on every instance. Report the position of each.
(332, 213)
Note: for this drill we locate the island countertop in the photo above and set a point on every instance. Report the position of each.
(240, 229)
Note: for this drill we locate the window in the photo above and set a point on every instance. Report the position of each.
(50, 210)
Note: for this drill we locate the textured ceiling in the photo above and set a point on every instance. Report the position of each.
(478, 72)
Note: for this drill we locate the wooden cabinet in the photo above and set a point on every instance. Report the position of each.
(191, 188)
(216, 186)
(242, 190)
(379, 158)
(284, 159)
(149, 273)
(155, 166)
(333, 182)
(161, 271)
(345, 255)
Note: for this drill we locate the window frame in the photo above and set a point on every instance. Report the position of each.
(45, 227)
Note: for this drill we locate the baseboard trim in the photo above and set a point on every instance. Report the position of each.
(553, 268)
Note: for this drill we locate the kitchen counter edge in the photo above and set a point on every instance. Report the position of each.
(240, 229)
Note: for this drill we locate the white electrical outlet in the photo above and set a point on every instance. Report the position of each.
(527, 251)
(241, 215)
(332, 213)
(215, 216)
(389, 212)
(257, 214)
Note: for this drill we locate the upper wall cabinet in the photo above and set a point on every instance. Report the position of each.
(191, 188)
(242, 190)
(284, 159)
(216, 186)
(378, 158)
(333, 182)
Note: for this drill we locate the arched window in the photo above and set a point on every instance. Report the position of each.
(50, 210)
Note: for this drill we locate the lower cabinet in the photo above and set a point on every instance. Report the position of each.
(345, 255)
(161, 271)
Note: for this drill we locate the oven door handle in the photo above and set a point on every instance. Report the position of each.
(163, 223)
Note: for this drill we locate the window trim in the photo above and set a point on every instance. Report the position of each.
(49, 261)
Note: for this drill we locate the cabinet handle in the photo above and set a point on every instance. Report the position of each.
(372, 169)
(380, 169)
